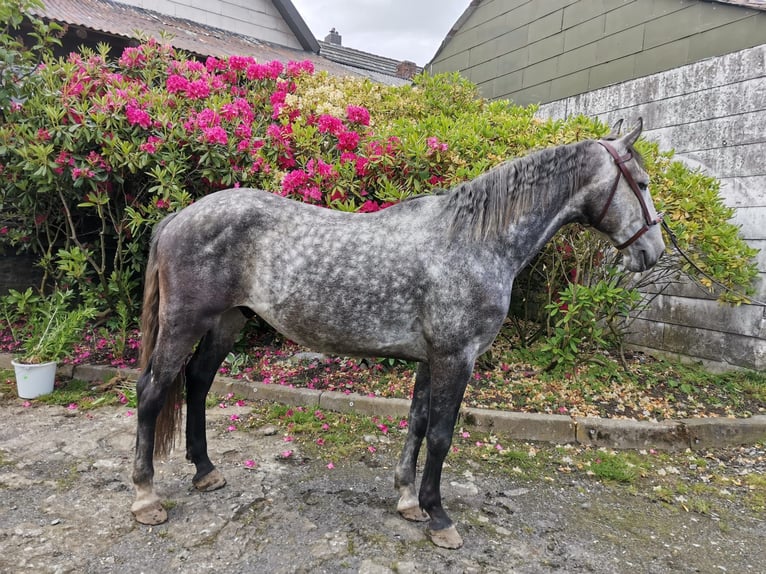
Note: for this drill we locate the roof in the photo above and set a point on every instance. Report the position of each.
(123, 20)
(367, 61)
(753, 4)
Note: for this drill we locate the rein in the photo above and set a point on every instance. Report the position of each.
(649, 221)
(674, 241)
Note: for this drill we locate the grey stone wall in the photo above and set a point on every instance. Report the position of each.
(713, 114)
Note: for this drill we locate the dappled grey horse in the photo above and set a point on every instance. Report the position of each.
(426, 280)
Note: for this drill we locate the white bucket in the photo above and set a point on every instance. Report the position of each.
(33, 380)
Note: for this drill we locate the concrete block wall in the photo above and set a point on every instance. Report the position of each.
(254, 18)
(713, 114)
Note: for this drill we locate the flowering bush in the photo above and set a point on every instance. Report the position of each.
(101, 150)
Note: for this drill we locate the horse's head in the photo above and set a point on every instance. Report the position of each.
(619, 204)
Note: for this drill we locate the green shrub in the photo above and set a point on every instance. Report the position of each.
(97, 150)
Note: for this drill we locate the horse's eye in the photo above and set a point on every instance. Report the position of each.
(642, 185)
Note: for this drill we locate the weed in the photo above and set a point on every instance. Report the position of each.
(613, 467)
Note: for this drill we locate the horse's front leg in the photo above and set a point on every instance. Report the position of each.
(200, 372)
(449, 379)
(404, 479)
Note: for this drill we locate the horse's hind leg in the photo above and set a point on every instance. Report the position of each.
(152, 390)
(404, 479)
(200, 372)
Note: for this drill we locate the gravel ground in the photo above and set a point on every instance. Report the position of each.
(65, 495)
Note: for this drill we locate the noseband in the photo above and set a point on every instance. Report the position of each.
(649, 221)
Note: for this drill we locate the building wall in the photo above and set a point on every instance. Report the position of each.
(533, 51)
(713, 114)
(255, 18)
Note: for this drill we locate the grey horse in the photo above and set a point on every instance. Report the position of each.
(426, 280)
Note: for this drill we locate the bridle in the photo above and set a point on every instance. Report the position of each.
(649, 221)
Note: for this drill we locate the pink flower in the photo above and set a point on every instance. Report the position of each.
(465, 434)
(122, 398)
(243, 131)
(383, 428)
(72, 406)
(137, 116)
(288, 438)
(330, 124)
(286, 454)
(231, 428)
(372, 448)
(234, 417)
(128, 413)
(358, 115)
(297, 68)
(239, 62)
(330, 465)
(320, 441)
(293, 181)
(369, 206)
(325, 427)
(403, 424)
(249, 463)
(216, 135)
(197, 89)
(348, 141)
(26, 404)
(240, 403)
(163, 204)
(150, 145)
(176, 83)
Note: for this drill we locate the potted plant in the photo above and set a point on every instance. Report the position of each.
(50, 330)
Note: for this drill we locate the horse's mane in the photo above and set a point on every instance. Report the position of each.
(485, 206)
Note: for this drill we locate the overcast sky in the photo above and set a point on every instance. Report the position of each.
(401, 29)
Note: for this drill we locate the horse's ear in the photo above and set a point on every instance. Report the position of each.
(615, 133)
(630, 139)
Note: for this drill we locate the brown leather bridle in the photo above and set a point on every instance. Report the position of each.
(649, 221)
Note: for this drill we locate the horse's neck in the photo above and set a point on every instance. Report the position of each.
(536, 200)
(525, 238)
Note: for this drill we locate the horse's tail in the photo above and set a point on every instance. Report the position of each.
(169, 418)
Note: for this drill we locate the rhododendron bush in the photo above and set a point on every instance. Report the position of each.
(97, 150)
(101, 150)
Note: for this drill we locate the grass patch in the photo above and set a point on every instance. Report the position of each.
(86, 395)
(613, 466)
(756, 493)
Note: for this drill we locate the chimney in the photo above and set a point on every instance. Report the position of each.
(406, 69)
(333, 37)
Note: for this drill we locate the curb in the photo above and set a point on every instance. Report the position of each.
(671, 435)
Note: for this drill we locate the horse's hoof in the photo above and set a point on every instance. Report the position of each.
(213, 480)
(150, 514)
(413, 513)
(446, 538)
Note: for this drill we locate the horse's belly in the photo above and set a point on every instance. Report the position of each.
(349, 334)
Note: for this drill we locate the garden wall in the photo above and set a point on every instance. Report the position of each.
(713, 113)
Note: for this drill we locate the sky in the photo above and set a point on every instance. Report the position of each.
(400, 29)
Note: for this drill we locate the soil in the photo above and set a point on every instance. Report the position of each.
(65, 494)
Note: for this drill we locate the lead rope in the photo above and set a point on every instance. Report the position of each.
(674, 241)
